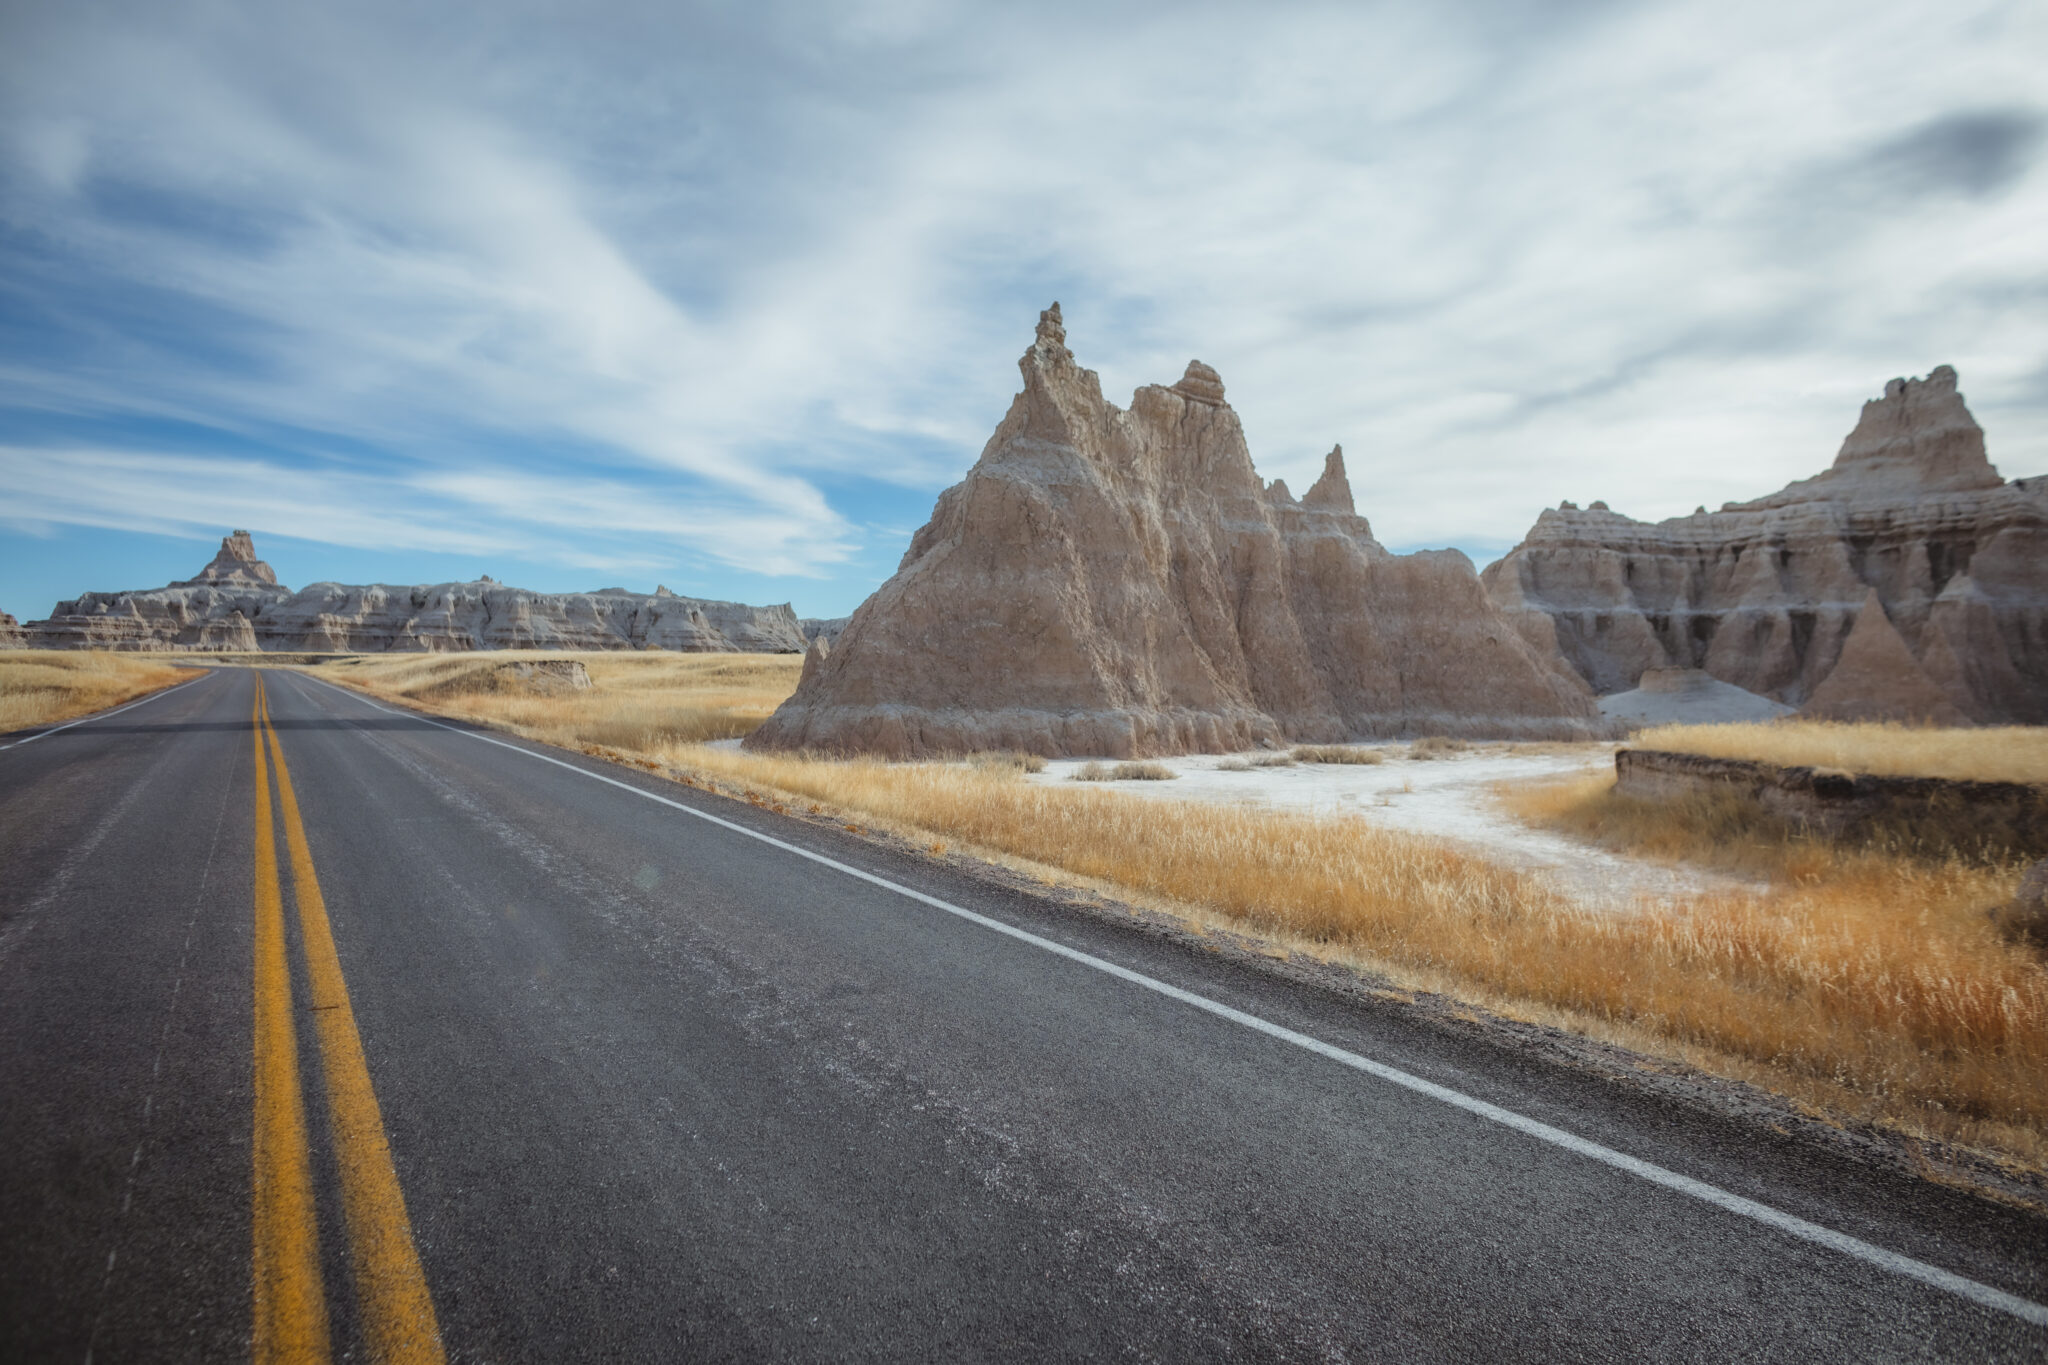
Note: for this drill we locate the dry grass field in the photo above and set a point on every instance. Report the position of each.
(1859, 984)
(48, 686)
(636, 701)
(2011, 753)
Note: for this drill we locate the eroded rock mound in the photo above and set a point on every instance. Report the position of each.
(1687, 696)
(1121, 583)
(236, 603)
(10, 632)
(1768, 595)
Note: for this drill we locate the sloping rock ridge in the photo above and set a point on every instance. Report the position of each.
(826, 628)
(1912, 523)
(1121, 583)
(236, 603)
(10, 632)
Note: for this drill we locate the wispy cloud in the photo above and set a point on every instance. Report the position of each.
(655, 286)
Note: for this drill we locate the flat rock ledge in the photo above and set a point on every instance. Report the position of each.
(1839, 803)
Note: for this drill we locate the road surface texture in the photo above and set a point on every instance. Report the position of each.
(477, 1047)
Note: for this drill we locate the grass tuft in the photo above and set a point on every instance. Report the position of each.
(1007, 760)
(1124, 772)
(1337, 753)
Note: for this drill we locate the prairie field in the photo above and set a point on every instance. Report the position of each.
(48, 686)
(2006, 753)
(636, 701)
(1863, 983)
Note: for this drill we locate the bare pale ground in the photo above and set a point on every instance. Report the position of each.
(1454, 795)
(1864, 988)
(2006, 753)
(48, 686)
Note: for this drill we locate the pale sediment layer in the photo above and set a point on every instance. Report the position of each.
(1912, 522)
(1122, 583)
(1687, 696)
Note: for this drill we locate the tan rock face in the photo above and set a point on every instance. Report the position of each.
(1877, 678)
(1766, 594)
(1121, 583)
(10, 632)
(236, 603)
(236, 563)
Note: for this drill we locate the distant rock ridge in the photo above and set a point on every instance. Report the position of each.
(826, 628)
(1912, 521)
(236, 603)
(10, 632)
(1121, 582)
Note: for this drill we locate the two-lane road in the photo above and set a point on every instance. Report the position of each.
(325, 1024)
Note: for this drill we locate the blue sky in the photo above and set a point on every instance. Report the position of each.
(721, 296)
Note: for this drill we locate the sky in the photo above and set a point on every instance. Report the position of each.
(720, 296)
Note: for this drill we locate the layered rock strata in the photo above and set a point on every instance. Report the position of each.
(10, 632)
(1910, 547)
(236, 603)
(1121, 583)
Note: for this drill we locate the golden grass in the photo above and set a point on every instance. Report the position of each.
(1124, 772)
(1866, 985)
(1337, 753)
(1725, 829)
(636, 701)
(1013, 760)
(2010, 753)
(47, 686)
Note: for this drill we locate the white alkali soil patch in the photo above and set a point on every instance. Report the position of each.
(1455, 797)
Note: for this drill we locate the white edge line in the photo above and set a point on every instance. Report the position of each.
(1987, 1295)
(102, 715)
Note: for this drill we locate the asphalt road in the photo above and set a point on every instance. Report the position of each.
(629, 1084)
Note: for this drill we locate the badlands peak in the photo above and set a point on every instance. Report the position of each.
(1909, 567)
(1333, 489)
(235, 563)
(1919, 437)
(1120, 582)
(1201, 383)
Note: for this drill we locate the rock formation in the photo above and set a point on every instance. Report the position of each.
(1769, 595)
(1687, 696)
(1121, 583)
(236, 603)
(826, 628)
(236, 562)
(10, 632)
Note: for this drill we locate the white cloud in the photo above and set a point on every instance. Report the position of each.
(1506, 254)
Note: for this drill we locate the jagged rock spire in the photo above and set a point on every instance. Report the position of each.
(1332, 490)
(1201, 383)
(1051, 326)
(236, 562)
(1921, 433)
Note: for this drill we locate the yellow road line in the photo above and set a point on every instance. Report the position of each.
(391, 1286)
(291, 1307)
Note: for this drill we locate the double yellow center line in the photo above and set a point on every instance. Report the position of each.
(291, 1302)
